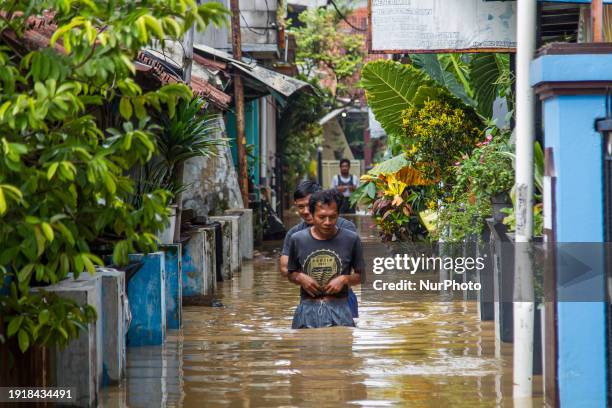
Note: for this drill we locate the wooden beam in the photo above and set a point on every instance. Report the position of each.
(597, 20)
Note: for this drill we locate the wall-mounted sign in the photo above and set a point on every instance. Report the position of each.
(413, 26)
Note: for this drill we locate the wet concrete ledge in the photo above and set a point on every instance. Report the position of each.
(174, 285)
(199, 263)
(147, 297)
(245, 226)
(79, 365)
(231, 242)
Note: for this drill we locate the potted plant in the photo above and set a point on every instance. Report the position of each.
(148, 179)
(186, 133)
(481, 180)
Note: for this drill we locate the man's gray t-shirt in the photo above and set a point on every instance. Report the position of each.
(341, 223)
(325, 259)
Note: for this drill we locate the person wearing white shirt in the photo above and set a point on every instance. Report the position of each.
(345, 183)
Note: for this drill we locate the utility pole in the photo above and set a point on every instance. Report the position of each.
(524, 306)
(180, 167)
(243, 177)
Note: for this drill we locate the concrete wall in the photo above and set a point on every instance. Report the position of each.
(79, 365)
(245, 230)
(210, 260)
(113, 325)
(174, 285)
(199, 263)
(335, 145)
(575, 209)
(226, 238)
(231, 237)
(213, 183)
(147, 296)
(100, 305)
(257, 33)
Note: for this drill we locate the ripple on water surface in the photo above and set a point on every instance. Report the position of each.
(421, 353)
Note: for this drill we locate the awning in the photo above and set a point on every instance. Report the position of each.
(259, 81)
(167, 73)
(331, 115)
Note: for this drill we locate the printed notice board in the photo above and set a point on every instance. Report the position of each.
(413, 26)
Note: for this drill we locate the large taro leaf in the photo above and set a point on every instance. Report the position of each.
(431, 64)
(485, 71)
(390, 166)
(390, 88)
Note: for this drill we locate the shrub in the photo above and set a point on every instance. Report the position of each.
(437, 134)
(63, 183)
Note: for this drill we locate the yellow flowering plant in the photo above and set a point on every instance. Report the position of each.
(438, 133)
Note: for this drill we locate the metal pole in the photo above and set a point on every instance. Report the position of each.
(243, 177)
(523, 306)
(320, 165)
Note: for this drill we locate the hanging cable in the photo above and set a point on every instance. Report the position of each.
(252, 29)
(342, 16)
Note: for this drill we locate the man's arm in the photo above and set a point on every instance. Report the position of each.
(354, 183)
(335, 285)
(306, 282)
(282, 266)
(284, 258)
(295, 275)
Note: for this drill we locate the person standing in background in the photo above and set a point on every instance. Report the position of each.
(345, 183)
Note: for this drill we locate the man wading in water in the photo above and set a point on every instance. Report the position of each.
(321, 259)
(301, 196)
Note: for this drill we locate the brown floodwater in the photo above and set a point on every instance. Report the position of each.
(421, 353)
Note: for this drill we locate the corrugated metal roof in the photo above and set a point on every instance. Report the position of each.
(168, 74)
(269, 81)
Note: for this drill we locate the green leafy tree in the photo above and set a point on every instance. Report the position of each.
(299, 135)
(330, 59)
(326, 54)
(63, 187)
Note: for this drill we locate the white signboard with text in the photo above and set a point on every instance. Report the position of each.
(406, 26)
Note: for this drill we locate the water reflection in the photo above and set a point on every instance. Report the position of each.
(421, 353)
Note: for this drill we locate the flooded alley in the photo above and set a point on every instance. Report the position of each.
(419, 353)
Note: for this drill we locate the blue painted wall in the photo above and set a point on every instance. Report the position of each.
(193, 265)
(147, 297)
(251, 116)
(569, 131)
(174, 285)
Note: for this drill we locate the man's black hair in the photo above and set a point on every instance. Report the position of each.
(305, 188)
(347, 161)
(323, 197)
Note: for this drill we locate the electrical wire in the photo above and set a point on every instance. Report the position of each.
(342, 16)
(251, 29)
